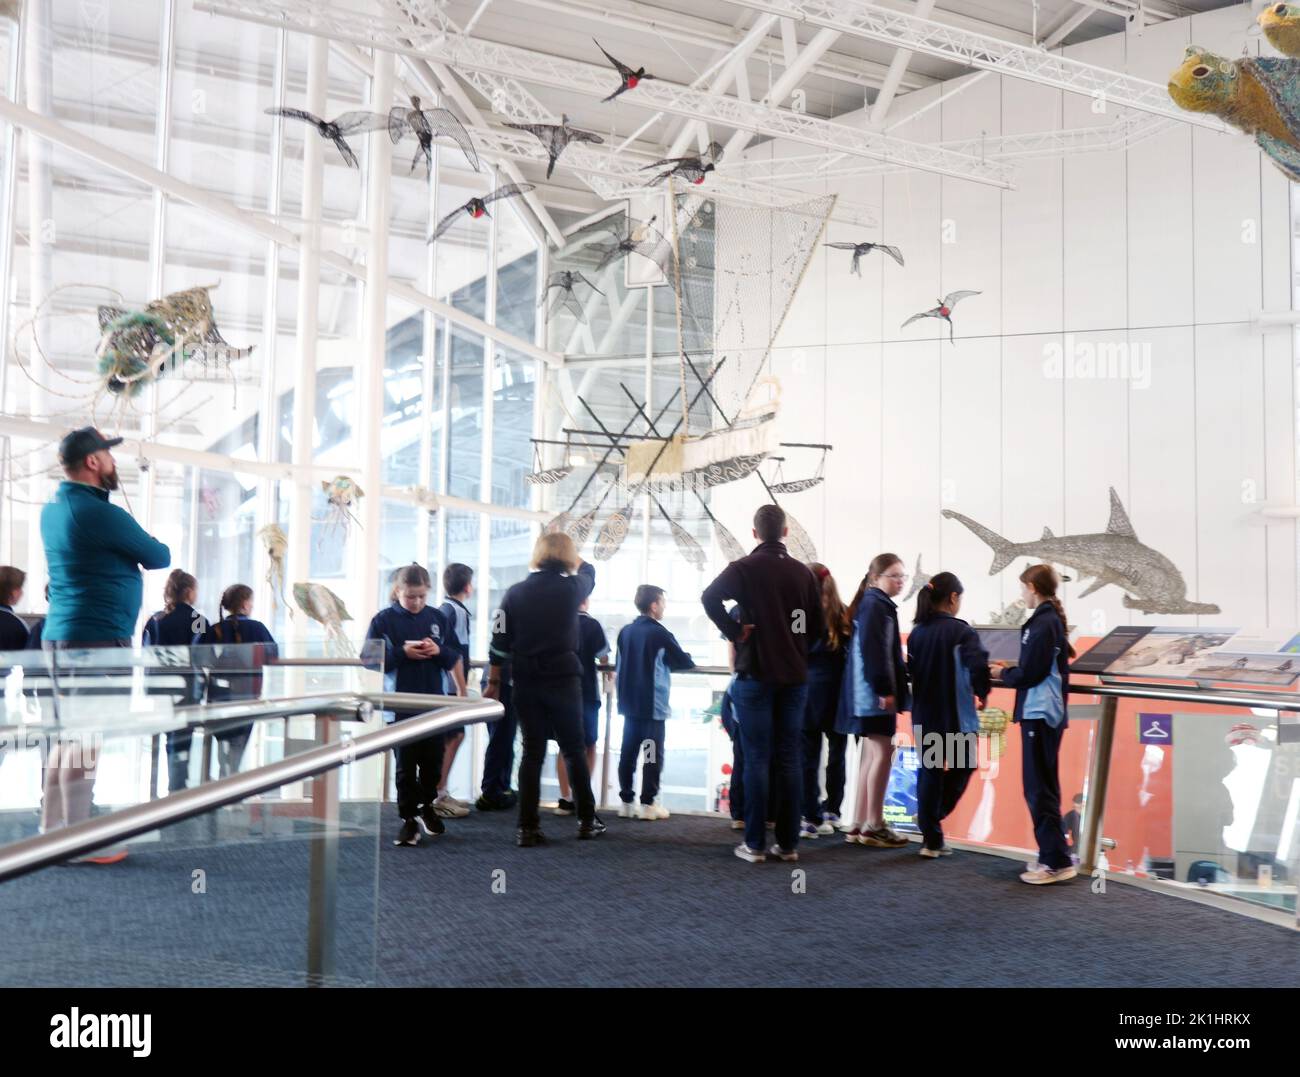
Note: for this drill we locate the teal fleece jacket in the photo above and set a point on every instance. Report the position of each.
(94, 551)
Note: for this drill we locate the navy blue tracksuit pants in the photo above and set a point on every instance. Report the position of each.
(938, 790)
(1040, 746)
(499, 758)
(636, 733)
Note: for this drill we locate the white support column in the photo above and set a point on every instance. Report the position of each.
(38, 75)
(308, 316)
(158, 243)
(369, 375)
(8, 213)
(268, 420)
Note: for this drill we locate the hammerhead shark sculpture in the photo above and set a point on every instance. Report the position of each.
(1151, 582)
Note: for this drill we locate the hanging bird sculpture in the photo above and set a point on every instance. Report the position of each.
(859, 249)
(643, 239)
(566, 280)
(691, 169)
(630, 78)
(943, 310)
(555, 137)
(426, 125)
(477, 207)
(1281, 25)
(347, 123)
(1258, 95)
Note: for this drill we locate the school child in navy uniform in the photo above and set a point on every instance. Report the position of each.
(873, 693)
(458, 586)
(647, 656)
(419, 647)
(179, 624)
(949, 668)
(825, 674)
(592, 647)
(243, 646)
(1041, 679)
(727, 715)
(13, 632)
(37, 630)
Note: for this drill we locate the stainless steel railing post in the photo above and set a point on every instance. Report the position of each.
(1094, 805)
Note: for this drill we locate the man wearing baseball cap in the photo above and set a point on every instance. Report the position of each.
(94, 551)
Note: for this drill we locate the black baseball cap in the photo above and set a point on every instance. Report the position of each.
(79, 444)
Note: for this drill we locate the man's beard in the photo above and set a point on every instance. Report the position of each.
(108, 481)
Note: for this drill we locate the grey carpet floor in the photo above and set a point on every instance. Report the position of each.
(650, 904)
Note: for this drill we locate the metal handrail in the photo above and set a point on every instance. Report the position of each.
(37, 852)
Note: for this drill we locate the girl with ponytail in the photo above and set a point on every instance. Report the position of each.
(1041, 679)
(244, 646)
(825, 674)
(873, 692)
(950, 671)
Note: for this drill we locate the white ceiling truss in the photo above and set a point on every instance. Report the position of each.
(470, 56)
(502, 73)
(860, 18)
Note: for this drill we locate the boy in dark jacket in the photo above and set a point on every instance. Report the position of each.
(419, 645)
(647, 656)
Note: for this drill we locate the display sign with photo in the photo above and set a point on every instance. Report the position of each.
(1196, 654)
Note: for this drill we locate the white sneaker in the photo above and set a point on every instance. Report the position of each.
(754, 856)
(663, 812)
(626, 810)
(932, 854)
(783, 854)
(449, 808)
(738, 824)
(1045, 875)
(648, 812)
(825, 827)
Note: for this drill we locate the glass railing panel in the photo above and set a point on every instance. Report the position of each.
(270, 891)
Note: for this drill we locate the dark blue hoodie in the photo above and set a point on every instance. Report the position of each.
(949, 666)
(647, 656)
(1042, 644)
(397, 626)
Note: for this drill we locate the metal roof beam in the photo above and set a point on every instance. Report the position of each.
(470, 55)
(869, 21)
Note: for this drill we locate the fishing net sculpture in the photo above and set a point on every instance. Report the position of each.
(734, 271)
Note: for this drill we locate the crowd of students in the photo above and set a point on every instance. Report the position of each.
(808, 671)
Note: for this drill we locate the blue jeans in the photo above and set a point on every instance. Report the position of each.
(771, 729)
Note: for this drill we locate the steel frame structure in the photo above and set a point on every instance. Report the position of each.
(472, 57)
(861, 18)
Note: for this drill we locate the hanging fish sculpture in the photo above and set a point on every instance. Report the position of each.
(798, 541)
(137, 346)
(1281, 25)
(1258, 95)
(325, 608)
(919, 579)
(550, 476)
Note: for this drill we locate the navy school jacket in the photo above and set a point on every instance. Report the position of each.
(647, 656)
(536, 627)
(948, 665)
(825, 677)
(13, 632)
(456, 614)
(236, 673)
(1042, 636)
(592, 647)
(396, 626)
(873, 666)
(182, 627)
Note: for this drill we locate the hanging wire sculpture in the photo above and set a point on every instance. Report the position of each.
(779, 485)
(276, 544)
(326, 608)
(566, 280)
(426, 124)
(342, 495)
(540, 476)
(135, 348)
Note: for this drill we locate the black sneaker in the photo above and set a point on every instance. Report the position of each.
(509, 799)
(430, 822)
(565, 807)
(594, 829)
(527, 837)
(486, 803)
(409, 834)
